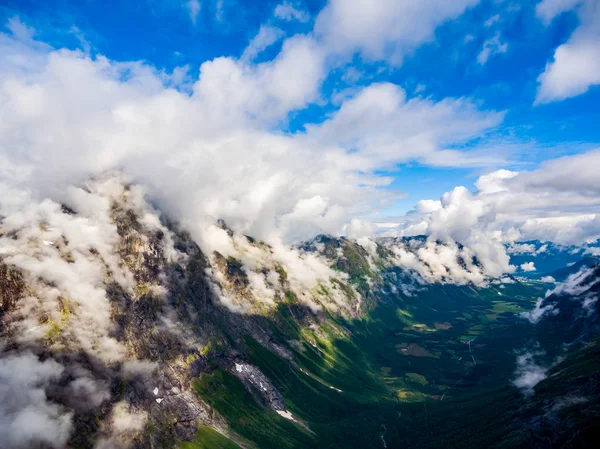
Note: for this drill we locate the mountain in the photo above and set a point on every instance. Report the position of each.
(548, 258)
(562, 274)
(120, 331)
(564, 407)
(571, 312)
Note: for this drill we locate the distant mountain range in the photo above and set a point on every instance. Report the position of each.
(549, 258)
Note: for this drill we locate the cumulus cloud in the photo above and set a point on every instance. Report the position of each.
(262, 265)
(65, 258)
(382, 127)
(521, 248)
(384, 28)
(428, 206)
(210, 148)
(359, 228)
(527, 266)
(125, 421)
(88, 115)
(576, 283)
(576, 64)
(20, 30)
(593, 251)
(557, 202)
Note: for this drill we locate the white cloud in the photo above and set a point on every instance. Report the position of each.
(20, 30)
(522, 248)
(549, 9)
(125, 419)
(235, 91)
(65, 109)
(380, 126)
(576, 283)
(287, 11)
(267, 36)
(569, 173)
(67, 261)
(491, 47)
(548, 279)
(529, 373)
(527, 266)
(442, 261)
(557, 202)
(428, 206)
(27, 418)
(193, 7)
(540, 310)
(576, 64)
(384, 28)
(72, 111)
(526, 248)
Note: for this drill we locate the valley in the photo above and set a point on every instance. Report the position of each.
(427, 370)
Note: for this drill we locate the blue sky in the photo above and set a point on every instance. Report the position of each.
(452, 63)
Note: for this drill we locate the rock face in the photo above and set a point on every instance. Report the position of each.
(260, 385)
(12, 288)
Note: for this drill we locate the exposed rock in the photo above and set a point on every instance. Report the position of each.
(12, 287)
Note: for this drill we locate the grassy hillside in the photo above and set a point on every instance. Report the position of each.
(432, 370)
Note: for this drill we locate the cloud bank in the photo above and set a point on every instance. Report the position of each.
(576, 64)
(557, 202)
(209, 148)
